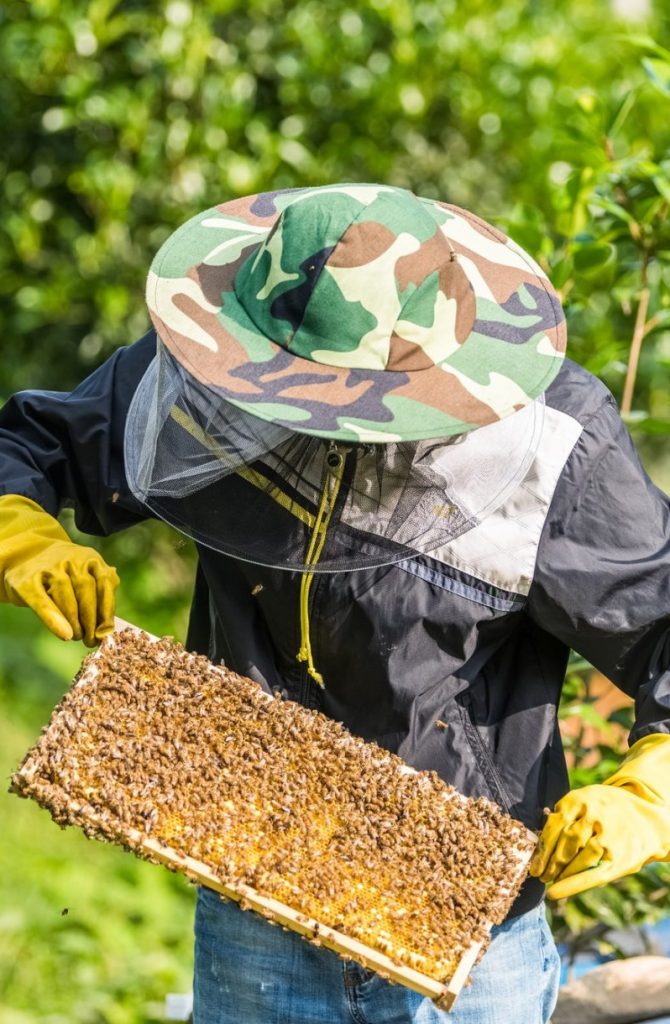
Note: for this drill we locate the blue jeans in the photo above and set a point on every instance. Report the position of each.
(247, 972)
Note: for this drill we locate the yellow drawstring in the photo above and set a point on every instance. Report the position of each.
(331, 488)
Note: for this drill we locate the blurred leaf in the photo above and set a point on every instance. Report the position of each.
(595, 259)
(586, 712)
(662, 183)
(610, 206)
(647, 43)
(659, 73)
(650, 425)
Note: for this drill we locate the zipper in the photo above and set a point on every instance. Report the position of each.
(481, 752)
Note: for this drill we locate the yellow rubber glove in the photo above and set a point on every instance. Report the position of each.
(599, 833)
(68, 585)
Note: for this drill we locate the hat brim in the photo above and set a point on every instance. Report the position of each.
(498, 369)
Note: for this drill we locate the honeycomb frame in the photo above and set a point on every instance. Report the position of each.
(40, 777)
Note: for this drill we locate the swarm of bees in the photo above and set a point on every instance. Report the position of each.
(152, 741)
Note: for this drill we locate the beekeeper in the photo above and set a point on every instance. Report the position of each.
(407, 508)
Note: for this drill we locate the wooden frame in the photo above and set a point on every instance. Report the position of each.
(443, 993)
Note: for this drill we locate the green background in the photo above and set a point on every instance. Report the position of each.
(121, 120)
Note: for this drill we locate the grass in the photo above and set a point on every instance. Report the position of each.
(88, 934)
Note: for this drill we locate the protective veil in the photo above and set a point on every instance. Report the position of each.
(277, 497)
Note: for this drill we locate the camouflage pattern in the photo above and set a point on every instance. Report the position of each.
(358, 312)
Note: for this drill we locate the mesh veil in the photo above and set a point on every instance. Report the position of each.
(254, 490)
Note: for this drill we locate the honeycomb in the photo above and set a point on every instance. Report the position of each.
(182, 761)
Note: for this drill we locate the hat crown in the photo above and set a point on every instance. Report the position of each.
(341, 312)
(355, 279)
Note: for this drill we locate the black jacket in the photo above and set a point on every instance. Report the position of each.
(577, 557)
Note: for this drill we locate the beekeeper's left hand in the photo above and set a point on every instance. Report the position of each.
(599, 833)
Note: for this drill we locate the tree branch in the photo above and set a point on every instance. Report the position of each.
(636, 345)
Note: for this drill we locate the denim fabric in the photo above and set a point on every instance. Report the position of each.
(247, 972)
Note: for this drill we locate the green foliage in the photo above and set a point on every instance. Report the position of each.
(125, 940)
(607, 247)
(121, 119)
(585, 921)
(88, 934)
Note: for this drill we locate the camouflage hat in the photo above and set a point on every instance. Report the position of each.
(357, 312)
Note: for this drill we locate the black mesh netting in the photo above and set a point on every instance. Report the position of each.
(253, 490)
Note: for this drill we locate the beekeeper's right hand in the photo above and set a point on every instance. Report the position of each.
(68, 585)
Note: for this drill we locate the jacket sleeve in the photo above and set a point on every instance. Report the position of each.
(66, 450)
(602, 579)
